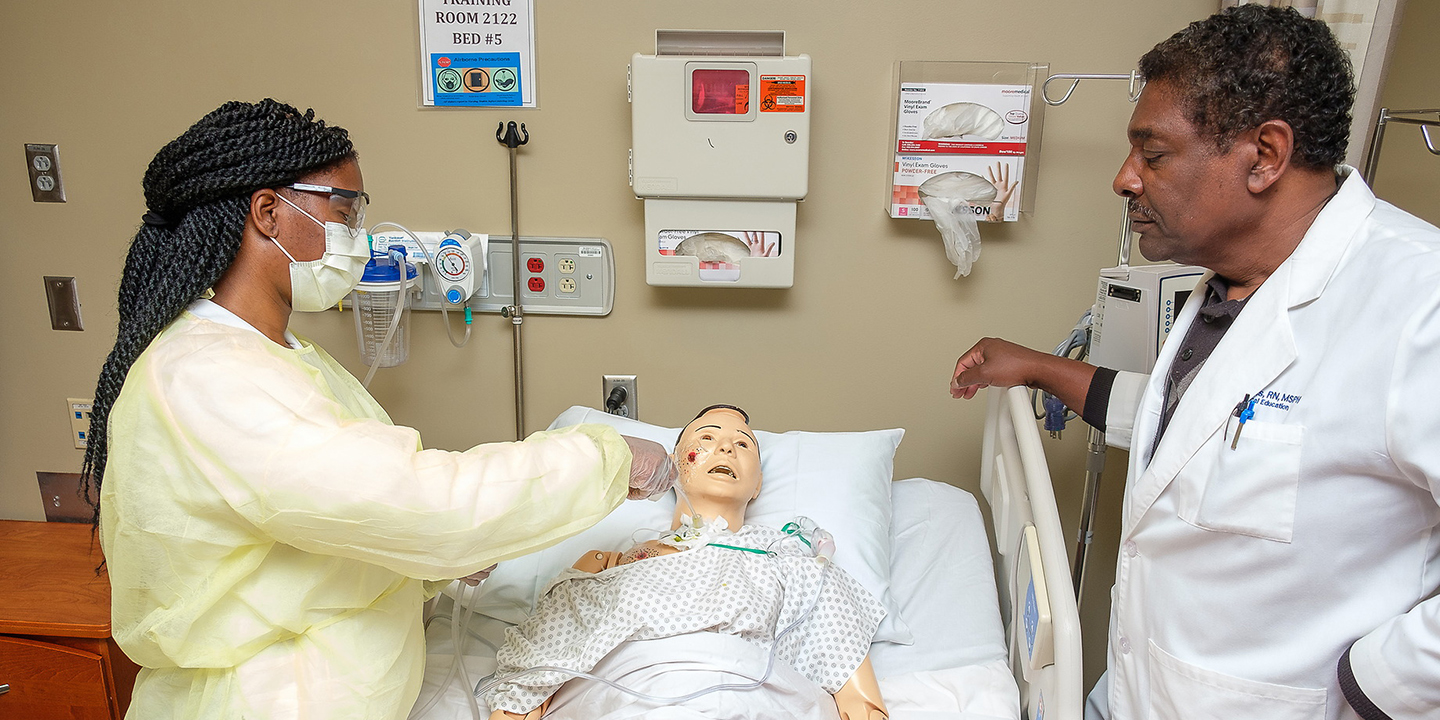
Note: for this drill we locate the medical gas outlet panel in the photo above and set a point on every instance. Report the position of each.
(559, 276)
(1135, 308)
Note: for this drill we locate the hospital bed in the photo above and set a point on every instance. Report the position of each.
(981, 649)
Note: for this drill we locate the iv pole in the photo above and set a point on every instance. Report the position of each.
(512, 137)
(1372, 156)
(1095, 446)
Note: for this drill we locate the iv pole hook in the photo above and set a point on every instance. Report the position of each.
(512, 136)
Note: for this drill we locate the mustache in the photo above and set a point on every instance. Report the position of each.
(1134, 207)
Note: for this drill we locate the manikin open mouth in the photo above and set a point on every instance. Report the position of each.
(724, 469)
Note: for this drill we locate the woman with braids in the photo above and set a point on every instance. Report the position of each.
(268, 532)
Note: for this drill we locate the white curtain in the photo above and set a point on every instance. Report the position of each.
(1366, 29)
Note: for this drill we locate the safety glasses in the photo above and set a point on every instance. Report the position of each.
(350, 204)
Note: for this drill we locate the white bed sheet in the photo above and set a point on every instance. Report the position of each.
(943, 580)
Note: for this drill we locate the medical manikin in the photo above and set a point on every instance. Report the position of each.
(702, 598)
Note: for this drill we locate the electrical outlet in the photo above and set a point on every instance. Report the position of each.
(79, 420)
(43, 162)
(628, 406)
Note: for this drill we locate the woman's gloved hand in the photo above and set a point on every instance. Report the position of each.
(652, 471)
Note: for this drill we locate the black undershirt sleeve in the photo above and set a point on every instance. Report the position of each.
(1354, 695)
(1097, 398)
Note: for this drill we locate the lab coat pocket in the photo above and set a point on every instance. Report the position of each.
(1252, 489)
(1181, 690)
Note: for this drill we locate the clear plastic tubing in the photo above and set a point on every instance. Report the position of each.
(459, 628)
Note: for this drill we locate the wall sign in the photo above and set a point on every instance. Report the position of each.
(477, 53)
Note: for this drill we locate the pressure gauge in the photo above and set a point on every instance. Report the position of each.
(452, 263)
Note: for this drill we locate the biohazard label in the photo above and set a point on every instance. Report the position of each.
(782, 93)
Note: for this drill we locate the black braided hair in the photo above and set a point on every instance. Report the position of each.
(197, 191)
(1253, 63)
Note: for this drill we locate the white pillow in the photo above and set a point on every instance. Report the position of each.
(840, 480)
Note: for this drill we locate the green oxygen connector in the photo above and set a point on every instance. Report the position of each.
(467, 314)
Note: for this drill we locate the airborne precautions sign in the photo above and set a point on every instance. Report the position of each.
(477, 53)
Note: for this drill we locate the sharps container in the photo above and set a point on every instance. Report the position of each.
(375, 301)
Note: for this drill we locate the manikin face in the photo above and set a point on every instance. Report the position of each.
(1184, 192)
(719, 459)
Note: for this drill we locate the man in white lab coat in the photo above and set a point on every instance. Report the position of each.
(1280, 547)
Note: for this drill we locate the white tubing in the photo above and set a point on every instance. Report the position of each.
(459, 629)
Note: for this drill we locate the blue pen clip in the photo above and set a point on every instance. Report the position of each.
(1246, 412)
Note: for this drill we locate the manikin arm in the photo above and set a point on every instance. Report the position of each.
(535, 714)
(859, 698)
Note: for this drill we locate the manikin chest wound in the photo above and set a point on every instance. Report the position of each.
(953, 199)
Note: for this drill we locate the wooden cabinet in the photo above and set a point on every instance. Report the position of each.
(56, 653)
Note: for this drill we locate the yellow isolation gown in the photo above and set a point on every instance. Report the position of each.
(268, 530)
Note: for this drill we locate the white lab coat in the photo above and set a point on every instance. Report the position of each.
(1245, 574)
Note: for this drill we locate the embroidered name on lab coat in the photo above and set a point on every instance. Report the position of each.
(1277, 400)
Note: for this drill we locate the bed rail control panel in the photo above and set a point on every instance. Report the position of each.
(1034, 605)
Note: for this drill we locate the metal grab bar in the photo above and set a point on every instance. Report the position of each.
(1136, 84)
(1372, 158)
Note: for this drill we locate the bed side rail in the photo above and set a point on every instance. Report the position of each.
(1037, 600)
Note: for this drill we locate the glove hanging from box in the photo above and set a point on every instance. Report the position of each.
(953, 199)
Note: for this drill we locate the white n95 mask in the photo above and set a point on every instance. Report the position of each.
(317, 285)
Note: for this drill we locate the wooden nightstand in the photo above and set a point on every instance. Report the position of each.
(56, 653)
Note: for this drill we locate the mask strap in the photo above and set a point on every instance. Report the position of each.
(302, 210)
(282, 248)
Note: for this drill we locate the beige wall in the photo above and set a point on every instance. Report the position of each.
(866, 339)
(1408, 175)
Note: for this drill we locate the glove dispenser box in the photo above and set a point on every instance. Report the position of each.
(720, 153)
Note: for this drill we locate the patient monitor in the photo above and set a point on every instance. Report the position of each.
(720, 148)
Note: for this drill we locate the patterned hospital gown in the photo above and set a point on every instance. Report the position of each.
(581, 617)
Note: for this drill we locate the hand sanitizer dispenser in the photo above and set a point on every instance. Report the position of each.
(720, 154)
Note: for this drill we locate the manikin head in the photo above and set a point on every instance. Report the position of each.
(719, 461)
